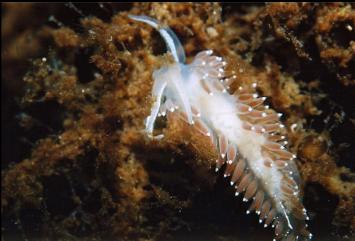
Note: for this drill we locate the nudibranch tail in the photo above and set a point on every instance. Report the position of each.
(272, 185)
(246, 134)
(171, 40)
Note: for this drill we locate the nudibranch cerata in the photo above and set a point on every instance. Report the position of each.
(244, 131)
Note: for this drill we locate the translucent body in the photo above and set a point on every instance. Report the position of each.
(240, 127)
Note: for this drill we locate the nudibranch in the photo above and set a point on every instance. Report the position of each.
(245, 132)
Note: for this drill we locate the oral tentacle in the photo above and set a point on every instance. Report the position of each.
(158, 91)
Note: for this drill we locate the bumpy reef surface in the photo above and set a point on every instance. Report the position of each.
(76, 81)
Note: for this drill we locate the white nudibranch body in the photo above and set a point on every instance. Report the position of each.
(244, 131)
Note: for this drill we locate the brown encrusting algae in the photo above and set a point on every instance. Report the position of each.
(76, 90)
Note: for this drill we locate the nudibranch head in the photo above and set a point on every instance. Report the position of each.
(246, 134)
(171, 83)
(168, 81)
